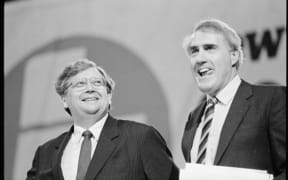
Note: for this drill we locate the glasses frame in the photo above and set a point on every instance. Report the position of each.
(82, 84)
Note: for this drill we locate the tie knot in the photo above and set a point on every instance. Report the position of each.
(212, 101)
(87, 133)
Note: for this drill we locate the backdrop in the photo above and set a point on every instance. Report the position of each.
(139, 43)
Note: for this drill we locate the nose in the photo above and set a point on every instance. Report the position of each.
(200, 58)
(90, 87)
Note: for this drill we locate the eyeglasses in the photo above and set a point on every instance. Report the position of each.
(83, 83)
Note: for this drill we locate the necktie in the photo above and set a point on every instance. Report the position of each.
(85, 155)
(208, 117)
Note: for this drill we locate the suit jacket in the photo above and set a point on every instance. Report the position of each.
(126, 150)
(254, 131)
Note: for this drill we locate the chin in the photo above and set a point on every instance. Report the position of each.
(206, 89)
(91, 111)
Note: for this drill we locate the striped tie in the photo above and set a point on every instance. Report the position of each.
(208, 117)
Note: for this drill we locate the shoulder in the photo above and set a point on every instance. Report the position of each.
(54, 141)
(265, 91)
(140, 133)
(266, 96)
(269, 89)
(134, 127)
(137, 131)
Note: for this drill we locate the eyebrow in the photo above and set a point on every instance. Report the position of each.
(85, 78)
(210, 45)
(192, 47)
(203, 45)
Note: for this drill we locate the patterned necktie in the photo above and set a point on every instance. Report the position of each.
(208, 117)
(85, 155)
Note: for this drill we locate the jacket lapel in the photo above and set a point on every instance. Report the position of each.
(57, 155)
(190, 130)
(236, 114)
(106, 145)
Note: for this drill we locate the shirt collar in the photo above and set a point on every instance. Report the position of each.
(95, 129)
(228, 92)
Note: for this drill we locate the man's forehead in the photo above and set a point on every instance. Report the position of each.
(90, 72)
(205, 37)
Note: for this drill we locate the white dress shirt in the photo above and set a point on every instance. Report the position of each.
(69, 161)
(225, 97)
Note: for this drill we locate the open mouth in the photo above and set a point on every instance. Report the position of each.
(90, 99)
(204, 71)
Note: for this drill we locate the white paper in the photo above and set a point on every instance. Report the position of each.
(194, 171)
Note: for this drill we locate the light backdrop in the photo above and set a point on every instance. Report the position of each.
(139, 43)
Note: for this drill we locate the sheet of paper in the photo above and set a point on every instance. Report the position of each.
(194, 171)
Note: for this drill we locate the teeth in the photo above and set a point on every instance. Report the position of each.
(90, 99)
(203, 70)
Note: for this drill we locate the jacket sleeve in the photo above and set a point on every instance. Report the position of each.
(32, 173)
(277, 133)
(156, 157)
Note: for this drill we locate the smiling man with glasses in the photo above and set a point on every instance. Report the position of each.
(98, 146)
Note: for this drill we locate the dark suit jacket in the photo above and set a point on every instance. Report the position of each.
(254, 132)
(126, 150)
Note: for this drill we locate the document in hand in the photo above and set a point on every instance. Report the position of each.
(207, 172)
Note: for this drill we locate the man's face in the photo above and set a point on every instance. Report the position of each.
(211, 61)
(87, 94)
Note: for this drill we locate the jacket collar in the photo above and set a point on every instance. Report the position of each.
(108, 141)
(236, 114)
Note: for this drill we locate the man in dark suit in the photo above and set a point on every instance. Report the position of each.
(240, 124)
(99, 146)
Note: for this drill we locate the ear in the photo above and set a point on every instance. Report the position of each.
(234, 57)
(110, 98)
(64, 102)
